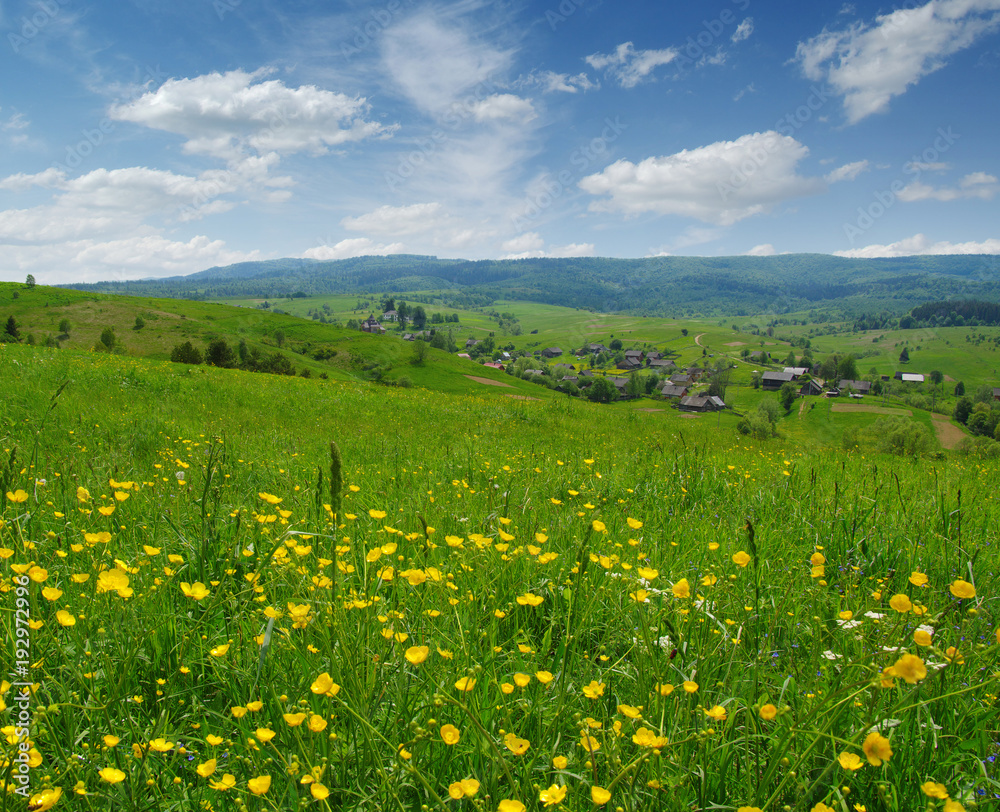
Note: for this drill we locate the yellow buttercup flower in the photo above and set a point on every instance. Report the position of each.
(877, 749)
(741, 559)
(962, 589)
(450, 734)
(259, 785)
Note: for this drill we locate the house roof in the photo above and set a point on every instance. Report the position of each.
(996, 391)
(798, 372)
(635, 353)
(619, 383)
(912, 377)
(784, 377)
(857, 386)
(663, 363)
(673, 391)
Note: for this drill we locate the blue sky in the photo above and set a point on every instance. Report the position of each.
(158, 137)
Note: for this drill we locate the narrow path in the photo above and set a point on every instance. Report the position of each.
(948, 434)
(697, 339)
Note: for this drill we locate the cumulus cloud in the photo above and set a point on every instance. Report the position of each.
(353, 247)
(503, 106)
(397, 220)
(975, 185)
(530, 245)
(628, 66)
(135, 257)
(919, 244)
(847, 172)
(720, 183)
(552, 82)
(763, 250)
(228, 115)
(743, 30)
(869, 64)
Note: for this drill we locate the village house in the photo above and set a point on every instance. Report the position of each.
(911, 377)
(814, 386)
(494, 365)
(702, 404)
(861, 387)
(371, 325)
(674, 391)
(551, 352)
(662, 365)
(796, 372)
(775, 380)
(996, 393)
(390, 315)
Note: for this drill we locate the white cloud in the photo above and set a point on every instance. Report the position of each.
(870, 64)
(629, 66)
(437, 63)
(136, 257)
(503, 106)
(743, 30)
(847, 172)
(354, 247)
(552, 82)
(530, 245)
(920, 166)
(397, 220)
(720, 183)
(763, 250)
(976, 185)
(919, 244)
(227, 115)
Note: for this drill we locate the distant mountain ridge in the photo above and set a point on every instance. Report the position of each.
(655, 286)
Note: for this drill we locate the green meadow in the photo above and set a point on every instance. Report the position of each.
(227, 590)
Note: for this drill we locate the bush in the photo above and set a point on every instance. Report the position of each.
(186, 353)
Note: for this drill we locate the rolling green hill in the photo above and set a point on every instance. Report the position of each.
(654, 286)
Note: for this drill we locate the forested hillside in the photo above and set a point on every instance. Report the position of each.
(653, 286)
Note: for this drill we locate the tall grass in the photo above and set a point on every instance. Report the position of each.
(502, 603)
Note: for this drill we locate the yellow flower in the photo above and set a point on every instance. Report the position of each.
(450, 734)
(265, 734)
(65, 618)
(593, 690)
(934, 790)
(645, 737)
(589, 743)
(560, 762)
(599, 526)
(417, 654)
(749, 809)
(82, 494)
(521, 680)
(220, 651)
(821, 807)
(507, 805)
(515, 744)
(197, 590)
(553, 796)
(544, 677)
(768, 712)
(639, 596)
(259, 785)
(962, 589)
(877, 749)
(47, 798)
(922, 637)
(599, 795)
(910, 668)
(647, 573)
(293, 719)
(528, 599)
(111, 741)
(630, 711)
(690, 686)
(741, 559)
(161, 745)
(318, 791)
(664, 689)
(17, 496)
(228, 781)
(206, 768)
(953, 806)
(682, 589)
(324, 685)
(465, 684)
(918, 578)
(900, 603)
(111, 775)
(716, 712)
(465, 788)
(635, 524)
(376, 514)
(850, 761)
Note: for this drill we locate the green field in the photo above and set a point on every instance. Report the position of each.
(485, 602)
